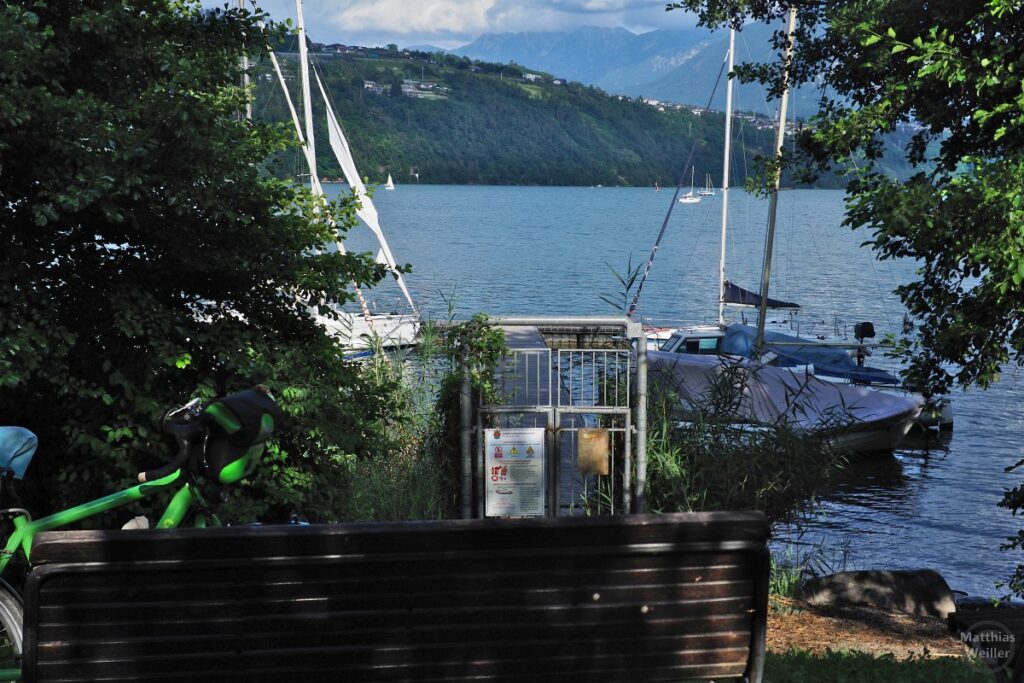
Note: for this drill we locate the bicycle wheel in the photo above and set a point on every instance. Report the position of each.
(11, 617)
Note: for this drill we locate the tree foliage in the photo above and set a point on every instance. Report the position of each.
(147, 255)
(953, 70)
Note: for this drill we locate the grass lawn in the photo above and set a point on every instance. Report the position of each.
(801, 666)
(535, 91)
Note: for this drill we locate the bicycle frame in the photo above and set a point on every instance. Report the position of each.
(26, 530)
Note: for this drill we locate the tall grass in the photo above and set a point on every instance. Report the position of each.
(418, 474)
(399, 486)
(699, 458)
(788, 573)
(405, 481)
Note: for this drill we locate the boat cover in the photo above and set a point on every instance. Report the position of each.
(736, 295)
(773, 395)
(831, 362)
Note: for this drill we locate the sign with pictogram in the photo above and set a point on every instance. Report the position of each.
(514, 472)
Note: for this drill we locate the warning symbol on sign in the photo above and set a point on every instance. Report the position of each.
(497, 452)
(513, 451)
(530, 451)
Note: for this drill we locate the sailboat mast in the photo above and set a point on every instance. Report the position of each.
(725, 176)
(773, 200)
(307, 103)
(245, 73)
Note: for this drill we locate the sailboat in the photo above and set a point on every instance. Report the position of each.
(692, 359)
(708, 190)
(690, 197)
(390, 184)
(366, 330)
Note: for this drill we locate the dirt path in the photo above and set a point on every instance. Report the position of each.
(794, 624)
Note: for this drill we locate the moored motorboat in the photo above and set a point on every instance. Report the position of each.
(852, 417)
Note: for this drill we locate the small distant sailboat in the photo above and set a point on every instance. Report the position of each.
(708, 190)
(690, 197)
(657, 187)
(390, 184)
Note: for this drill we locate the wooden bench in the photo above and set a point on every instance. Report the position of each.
(630, 598)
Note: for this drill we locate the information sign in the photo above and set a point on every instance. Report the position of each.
(514, 472)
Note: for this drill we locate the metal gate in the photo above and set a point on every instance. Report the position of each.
(575, 379)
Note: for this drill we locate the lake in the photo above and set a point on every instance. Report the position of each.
(550, 251)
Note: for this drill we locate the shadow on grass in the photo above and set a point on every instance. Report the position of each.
(800, 666)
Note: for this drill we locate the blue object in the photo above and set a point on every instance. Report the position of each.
(17, 446)
(739, 341)
(734, 294)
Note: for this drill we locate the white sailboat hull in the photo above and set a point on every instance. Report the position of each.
(385, 331)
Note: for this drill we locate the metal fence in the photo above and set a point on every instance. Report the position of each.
(595, 394)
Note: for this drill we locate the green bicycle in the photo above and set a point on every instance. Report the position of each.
(221, 442)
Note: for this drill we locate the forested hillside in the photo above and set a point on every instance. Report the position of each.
(480, 123)
(436, 118)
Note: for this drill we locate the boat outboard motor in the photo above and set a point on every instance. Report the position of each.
(862, 331)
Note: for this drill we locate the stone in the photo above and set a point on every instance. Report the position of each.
(140, 522)
(922, 591)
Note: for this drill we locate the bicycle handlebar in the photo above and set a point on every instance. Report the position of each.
(183, 434)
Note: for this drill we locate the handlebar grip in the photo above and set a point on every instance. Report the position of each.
(159, 473)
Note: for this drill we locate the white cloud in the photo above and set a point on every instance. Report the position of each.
(402, 17)
(449, 23)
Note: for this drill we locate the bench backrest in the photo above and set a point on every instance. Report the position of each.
(650, 598)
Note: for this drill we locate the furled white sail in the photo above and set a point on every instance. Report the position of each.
(372, 330)
(366, 211)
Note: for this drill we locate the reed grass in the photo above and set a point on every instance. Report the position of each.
(406, 480)
(699, 458)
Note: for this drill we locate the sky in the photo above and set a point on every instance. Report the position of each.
(453, 23)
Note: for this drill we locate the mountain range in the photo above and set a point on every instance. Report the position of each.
(673, 65)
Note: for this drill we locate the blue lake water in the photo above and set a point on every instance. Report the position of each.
(547, 251)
